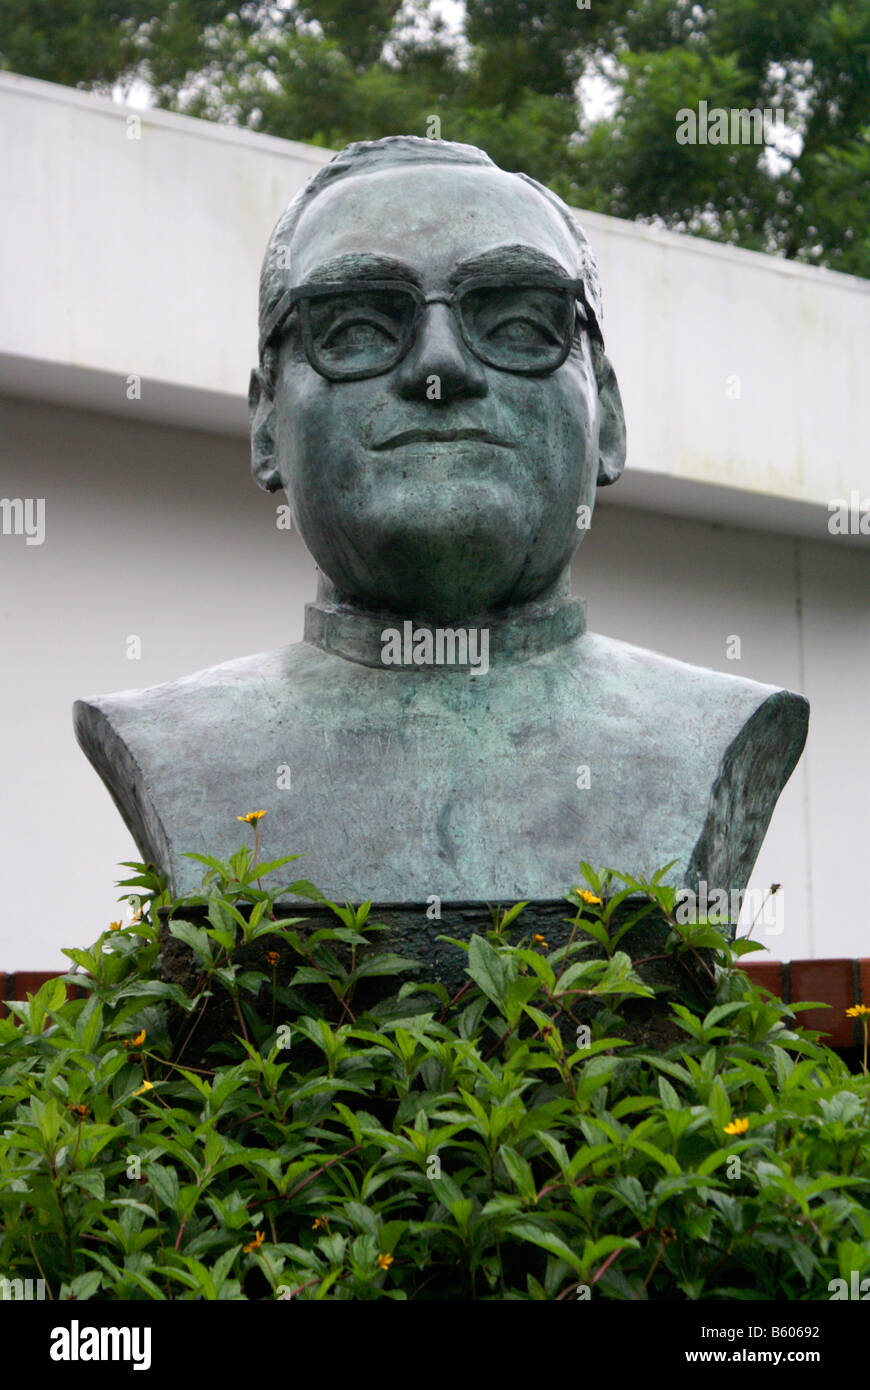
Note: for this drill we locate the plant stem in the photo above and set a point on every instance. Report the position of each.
(38, 1265)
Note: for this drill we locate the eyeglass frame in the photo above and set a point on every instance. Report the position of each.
(303, 293)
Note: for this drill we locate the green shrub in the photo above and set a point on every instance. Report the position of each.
(507, 1143)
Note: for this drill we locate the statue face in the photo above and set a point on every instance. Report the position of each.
(443, 488)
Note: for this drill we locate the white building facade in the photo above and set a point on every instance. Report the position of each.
(135, 547)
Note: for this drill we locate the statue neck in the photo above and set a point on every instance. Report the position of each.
(393, 641)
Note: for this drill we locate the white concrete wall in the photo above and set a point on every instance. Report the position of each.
(122, 256)
(740, 370)
(136, 255)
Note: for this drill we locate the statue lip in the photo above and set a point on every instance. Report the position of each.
(442, 436)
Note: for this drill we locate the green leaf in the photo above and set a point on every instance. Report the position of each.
(719, 1105)
(91, 1181)
(164, 1180)
(86, 959)
(487, 969)
(722, 1011)
(667, 1161)
(688, 1021)
(591, 878)
(670, 1099)
(511, 914)
(547, 1240)
(557, 1149)
(461, 1212)
(83, 1286)
(269, 867)
(517, 994)
(89, 1024)
(720, 1156)
(595, 1250)
(744, 947)
(384, 963)
(196, 938)
(518, 1171)
(630, 1190)
(218, 866)
(302, 888)
(591, 926)
(539, 964)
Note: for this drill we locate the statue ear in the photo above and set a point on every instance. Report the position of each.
(611, 433)
(261, 414)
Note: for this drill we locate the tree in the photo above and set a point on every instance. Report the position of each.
(513, 80)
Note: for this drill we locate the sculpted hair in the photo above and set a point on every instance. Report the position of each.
(367, 156)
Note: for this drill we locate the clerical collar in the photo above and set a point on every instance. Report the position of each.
(395, 644)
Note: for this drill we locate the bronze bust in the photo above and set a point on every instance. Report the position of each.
(434, 397)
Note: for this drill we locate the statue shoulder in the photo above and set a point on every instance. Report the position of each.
(140, 739)
(203, 694)
(732, 743)
(729, 701)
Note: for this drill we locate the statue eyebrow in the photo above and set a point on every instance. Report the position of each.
(502, 260)
(363, 266)
(509, 260)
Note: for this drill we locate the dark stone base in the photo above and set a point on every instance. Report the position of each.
(413, 935)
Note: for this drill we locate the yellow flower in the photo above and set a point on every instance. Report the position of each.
(272, 957)
(385, 1261)
(321, 1221)
(115, 926)
(80, 1110)
(139, 1039)
(540, 940)
(738, 1126)
(146, 1086)
(135, 916)
(858, 1011)
(252, 817)
(255, 1243)
(586, 896)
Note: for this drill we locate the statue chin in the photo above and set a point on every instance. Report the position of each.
(432, 574)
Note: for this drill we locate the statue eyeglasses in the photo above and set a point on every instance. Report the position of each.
(356, 329)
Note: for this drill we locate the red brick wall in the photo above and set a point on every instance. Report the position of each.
(840, 983)
(20, 983)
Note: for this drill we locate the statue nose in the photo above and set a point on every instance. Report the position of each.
(439, 365)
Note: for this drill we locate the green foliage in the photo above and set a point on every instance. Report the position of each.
(510, 77)
(97, 43)
(506, 1143)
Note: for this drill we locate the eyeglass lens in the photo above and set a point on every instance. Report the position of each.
(517, 327)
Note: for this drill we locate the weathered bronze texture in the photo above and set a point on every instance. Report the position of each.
(450, 728)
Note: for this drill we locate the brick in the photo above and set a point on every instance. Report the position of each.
(18, 984)
(830, 981)
(766, 973)
(29, 981)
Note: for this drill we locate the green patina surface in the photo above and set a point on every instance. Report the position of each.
(443, 492)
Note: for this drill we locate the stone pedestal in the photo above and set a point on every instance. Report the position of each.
(415, 936)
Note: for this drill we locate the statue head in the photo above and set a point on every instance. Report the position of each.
(433, 393)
